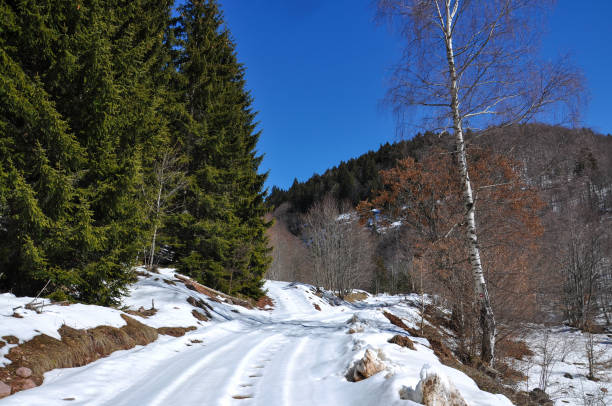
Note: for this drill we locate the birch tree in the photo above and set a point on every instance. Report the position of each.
(469, 65)
(167, 181)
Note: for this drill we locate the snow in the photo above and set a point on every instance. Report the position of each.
(292, 355)
(566, 351)
(48, 322)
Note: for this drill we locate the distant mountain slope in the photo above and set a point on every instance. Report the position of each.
(549, 154)
(352, 180)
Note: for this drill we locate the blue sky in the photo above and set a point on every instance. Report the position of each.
(318, 72)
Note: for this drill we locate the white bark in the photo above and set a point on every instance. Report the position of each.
(487, 320)
(485, 76)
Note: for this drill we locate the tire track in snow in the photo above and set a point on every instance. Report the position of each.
(179, 375)
(246, 368)
(292, 371)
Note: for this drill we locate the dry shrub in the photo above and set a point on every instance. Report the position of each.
(512, 349)
(509, 374)
(317, 307)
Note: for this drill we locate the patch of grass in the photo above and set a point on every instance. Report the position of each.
(396, 321)
(355, 297)
(76, 348)
(10, 339)
(242, 396)
(142, 312)
(199, 315)
(402, 341)
(213, 294)
(175, 331)
(199, 303)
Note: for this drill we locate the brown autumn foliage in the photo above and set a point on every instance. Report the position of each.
(426, 197)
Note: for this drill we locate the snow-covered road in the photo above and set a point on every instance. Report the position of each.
(293, 355)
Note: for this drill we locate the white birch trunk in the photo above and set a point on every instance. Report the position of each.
(487, 320)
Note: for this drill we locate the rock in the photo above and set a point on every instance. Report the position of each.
(540, 397)
(22, 384)
(568, 375)
(434, 389)
(5, 390)
(357, 326)
(402, 341)
(364, 368)
(24, 372)
(354, 319)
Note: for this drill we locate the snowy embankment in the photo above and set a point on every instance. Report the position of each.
(560, 365)
(295, 354)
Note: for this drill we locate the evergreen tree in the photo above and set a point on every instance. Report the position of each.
(43, 220)
(90, 74)
(220, 236)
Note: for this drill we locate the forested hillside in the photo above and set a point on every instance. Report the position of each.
(543, 203)
(353, 180)
(125, 129)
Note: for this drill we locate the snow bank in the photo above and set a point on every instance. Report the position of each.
(31, 323)
(296, 354)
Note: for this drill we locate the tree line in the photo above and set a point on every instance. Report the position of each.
(127, 135)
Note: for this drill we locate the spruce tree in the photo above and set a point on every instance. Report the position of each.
(43, 220)
(87, 76)
(220, 236)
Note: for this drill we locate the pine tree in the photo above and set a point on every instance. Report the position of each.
(220, 236)
(82, 79)
(43, 221)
